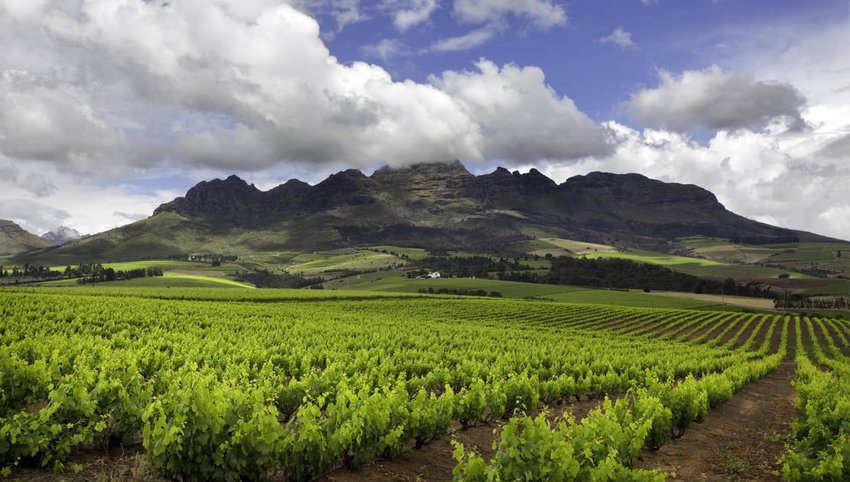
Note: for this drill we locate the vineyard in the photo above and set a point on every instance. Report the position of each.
(296, 385)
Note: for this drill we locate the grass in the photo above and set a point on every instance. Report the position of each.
(797, 256)
(412, 253)
(170, 279)
(579, 247)
(701, 267)
(737, 266)
(394, 282)
(322, 262)
(145, 264)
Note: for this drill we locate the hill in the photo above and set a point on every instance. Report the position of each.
(15, 239)
(434, 206)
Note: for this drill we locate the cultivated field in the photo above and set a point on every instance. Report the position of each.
(196, 384)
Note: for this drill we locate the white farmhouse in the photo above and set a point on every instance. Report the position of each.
(434, 274)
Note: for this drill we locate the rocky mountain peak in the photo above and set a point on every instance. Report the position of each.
(432, 182)
(214, 197)
(61, 235)
(444, 204)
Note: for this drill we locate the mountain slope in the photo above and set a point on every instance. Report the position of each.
(425, 205)
(15, 239)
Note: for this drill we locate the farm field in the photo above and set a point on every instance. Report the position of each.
(802, 256)
(718, 259)
(319, 263)
(169, 279)
(702, 267)
(125, 383)
(393, 282)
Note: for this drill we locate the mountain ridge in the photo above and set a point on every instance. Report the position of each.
(14, 239)
(437, 205)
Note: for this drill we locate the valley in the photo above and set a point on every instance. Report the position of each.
(425, 346)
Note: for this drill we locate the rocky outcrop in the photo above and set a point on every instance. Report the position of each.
(229, 197)
(419, 201)
(61, 235)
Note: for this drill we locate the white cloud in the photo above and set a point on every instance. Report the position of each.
(522, 117)
(410, 13)
(467, 41)
(714, 99)
(100, 86)
(75, 201)
(384, 49)
(618, 37)
(764, 176)
(34, 183)
(543, 14)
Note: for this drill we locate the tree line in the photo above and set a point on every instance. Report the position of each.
(592, 272)
(467, 266)
(213, 259)
(627, 274)
(460, 292)
(97, 273)
(262, 278)
(29, 271)
(803, 302)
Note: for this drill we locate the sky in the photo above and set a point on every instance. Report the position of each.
(109, 108)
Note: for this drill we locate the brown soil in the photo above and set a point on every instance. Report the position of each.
(748, 332)
(807, 342)
(740, 440)
(710, 331)
(128, 463)
(777, 337)
(832, 330)
(762, 334)
(677, 331)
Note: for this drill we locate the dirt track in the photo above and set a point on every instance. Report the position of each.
(740, 440)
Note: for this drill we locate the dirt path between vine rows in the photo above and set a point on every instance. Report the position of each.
(739, 440)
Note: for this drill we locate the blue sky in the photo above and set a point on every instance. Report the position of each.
(111, 107)
(667, 34)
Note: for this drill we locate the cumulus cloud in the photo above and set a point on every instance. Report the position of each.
(81, 202)
(33, 216)
(618, 37)
(467, 41)
(543, 14)
(33, 183)
(107, 85)
(777, 178)
(523, 117)
(714, 99)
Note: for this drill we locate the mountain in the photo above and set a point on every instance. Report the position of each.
(425, 205)
(15, 239)
(61, 235)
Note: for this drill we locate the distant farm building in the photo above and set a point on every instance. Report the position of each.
(434, 274)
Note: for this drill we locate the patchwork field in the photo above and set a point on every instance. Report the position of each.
(393, 282)
(712, 258)
(117, 383)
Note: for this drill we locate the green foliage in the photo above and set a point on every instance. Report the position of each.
(238, 391)
(203, 430)
(821, 444)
